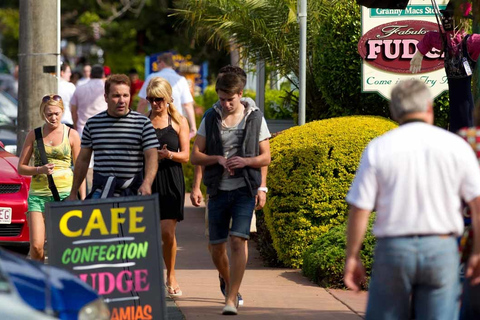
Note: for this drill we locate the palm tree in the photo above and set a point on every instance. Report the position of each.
(262, 29)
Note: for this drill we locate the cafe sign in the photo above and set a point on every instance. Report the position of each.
(113, 245)
(388, 43)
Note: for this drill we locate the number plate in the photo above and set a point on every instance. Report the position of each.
(5, 215)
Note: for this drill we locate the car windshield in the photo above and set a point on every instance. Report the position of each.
(8, 106)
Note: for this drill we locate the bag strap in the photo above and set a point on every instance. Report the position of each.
(43, 157)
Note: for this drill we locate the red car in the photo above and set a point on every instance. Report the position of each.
(13, 203)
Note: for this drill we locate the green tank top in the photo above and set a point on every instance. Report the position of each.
(61, 156)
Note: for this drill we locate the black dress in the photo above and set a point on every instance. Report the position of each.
(169, 182)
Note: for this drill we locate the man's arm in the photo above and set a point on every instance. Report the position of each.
(196, 196)
(190, 115)
(198, 156)
(473, 266)
(261, 196)
(263, 158)
(73, 110)
(80, 171)
(151, 167)
(354, 273)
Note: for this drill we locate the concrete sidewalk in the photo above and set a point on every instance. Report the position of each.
(269, 293)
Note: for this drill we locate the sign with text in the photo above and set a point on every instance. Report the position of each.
(113, 245)
(388, 43)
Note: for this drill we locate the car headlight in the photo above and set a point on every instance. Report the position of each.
(95, 310)
(12, 148)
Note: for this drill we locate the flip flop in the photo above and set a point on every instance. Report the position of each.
(174, 292)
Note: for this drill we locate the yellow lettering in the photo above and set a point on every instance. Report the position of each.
(64, 223)
(115, 213)
(134, 220)
(96, 222)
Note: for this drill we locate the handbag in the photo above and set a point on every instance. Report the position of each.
(43, 157)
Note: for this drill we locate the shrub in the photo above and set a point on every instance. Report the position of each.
(324, 260)
(311, 170)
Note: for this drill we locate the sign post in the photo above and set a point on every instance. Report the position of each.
(113, 245)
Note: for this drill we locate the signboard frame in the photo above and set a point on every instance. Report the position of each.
(418, 11)
(105, 236)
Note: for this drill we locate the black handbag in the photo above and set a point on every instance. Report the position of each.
(43, 157)
(384, 4)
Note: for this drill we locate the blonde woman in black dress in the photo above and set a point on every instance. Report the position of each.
(173, 135)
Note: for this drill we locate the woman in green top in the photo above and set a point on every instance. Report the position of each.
(61, 143)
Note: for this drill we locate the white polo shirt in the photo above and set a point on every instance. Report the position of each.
(415, 177)
(180, 90)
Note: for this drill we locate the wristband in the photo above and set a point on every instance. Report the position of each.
(170, 155)
(37, 169)
(264, 189)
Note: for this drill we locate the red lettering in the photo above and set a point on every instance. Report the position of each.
(125, 281)
(141, 278)
(101, 283)
(132, 313)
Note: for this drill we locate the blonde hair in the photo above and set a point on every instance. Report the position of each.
(51, 102)
(159, 87)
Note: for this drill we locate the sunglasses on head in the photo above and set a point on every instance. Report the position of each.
(54, 97)
(157, 99)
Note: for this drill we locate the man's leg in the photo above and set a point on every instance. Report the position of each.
(218, 227)
(220, 259)
(438, 287)
(242, 211)
(237, 270)
(392, 275)
(169, 240)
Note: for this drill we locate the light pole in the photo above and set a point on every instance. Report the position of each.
(37, 59)
(302, 16)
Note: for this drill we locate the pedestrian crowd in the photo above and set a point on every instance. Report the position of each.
(419, 179)
(93, 145)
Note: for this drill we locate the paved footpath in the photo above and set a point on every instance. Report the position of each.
(269, 293)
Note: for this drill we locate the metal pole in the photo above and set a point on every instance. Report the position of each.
(302, 15)
(37, 49)
(260, 95)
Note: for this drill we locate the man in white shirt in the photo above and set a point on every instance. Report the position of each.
(88, 99)
(66, 90)
(182, 97)
(415, 178)
(87, 71)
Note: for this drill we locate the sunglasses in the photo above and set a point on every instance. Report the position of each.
(48, 97)
(152, 99)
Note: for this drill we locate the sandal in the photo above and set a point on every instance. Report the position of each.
(174, 292)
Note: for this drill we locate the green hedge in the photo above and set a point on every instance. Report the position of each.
(324, 260)
(311, 170)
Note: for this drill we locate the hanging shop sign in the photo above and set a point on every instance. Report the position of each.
(388, 43)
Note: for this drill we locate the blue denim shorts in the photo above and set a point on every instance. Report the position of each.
(236, 205)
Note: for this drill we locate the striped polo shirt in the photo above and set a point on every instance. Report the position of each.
(118, 143)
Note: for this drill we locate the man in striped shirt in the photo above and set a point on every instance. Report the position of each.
(121, 139)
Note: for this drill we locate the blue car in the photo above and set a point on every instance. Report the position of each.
(54, 292)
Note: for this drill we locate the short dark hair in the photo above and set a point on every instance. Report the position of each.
(167, 58)
(235, 70)
(116, 79)
(230, 83)
(64, 66)
(97, 72)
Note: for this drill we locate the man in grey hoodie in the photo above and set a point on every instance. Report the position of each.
(232, 144)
